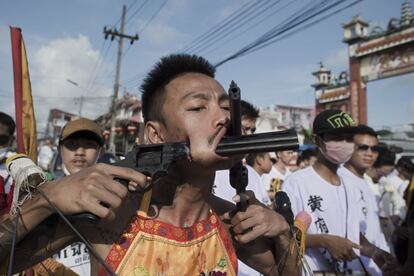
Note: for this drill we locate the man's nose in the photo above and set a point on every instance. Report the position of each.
(80, 150)
(222, 118)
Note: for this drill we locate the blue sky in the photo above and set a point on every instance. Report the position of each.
(64, 40)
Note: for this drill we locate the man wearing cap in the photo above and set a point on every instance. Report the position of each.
(333, 238)
(80, 146)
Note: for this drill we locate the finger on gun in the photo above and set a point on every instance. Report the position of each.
(125, 173)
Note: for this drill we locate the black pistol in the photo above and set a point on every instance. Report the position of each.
(238, 173)
(154, 160)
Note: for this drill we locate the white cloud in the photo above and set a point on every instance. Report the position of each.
(338, 61)
(70, 58)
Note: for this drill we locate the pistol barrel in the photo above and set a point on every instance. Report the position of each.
(261, 142)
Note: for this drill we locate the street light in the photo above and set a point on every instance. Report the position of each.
(80, 98)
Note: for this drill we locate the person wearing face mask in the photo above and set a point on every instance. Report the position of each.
(80, 146)
(7, 127)
(333, 238)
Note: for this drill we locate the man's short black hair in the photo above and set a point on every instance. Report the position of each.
(249, 111)
(385, 157)
(405, 164)
(365, 130)
(7, 121)
(167, 69)
(251, 158)
(308, 153)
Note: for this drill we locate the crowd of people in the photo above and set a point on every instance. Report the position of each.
(359, 197)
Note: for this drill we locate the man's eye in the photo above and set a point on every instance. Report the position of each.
(199, 108)
(227, 108)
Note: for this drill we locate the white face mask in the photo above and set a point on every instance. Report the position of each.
(337, 152)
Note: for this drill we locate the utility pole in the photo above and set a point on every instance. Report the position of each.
(114, 33)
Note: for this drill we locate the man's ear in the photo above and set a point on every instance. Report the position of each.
(259, 159)
(154, 132)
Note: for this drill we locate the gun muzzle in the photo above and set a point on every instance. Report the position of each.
(260, 142)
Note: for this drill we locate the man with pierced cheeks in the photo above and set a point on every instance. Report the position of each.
(195, 233)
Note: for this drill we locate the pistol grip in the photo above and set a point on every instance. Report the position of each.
(84, 217)
(242, 204)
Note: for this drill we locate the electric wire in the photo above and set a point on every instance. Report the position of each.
(128, 8)
(308, 25)
(153, 16)
(240, 23)
(235, 35)
(97, 68)
(303, 17)
(281, 26)
(136, 12)
(222, 24)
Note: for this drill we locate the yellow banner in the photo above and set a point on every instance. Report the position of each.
(28, 116)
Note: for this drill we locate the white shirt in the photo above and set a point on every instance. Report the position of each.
(75, 257)
(331, 210)
(375, 187)
(398, 184)
(224, 190)
(45, 157)
(369, 224)
(391, 202)
(268, 178)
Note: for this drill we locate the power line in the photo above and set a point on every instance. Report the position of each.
(136, 12)
(243, 21)
(153, 16)
(96, 68)
(311, 24)
(219, 26)
(280, 29)
(147, 23)
(237, 34)
(128, 8)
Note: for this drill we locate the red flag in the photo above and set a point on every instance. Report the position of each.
(25, 117)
